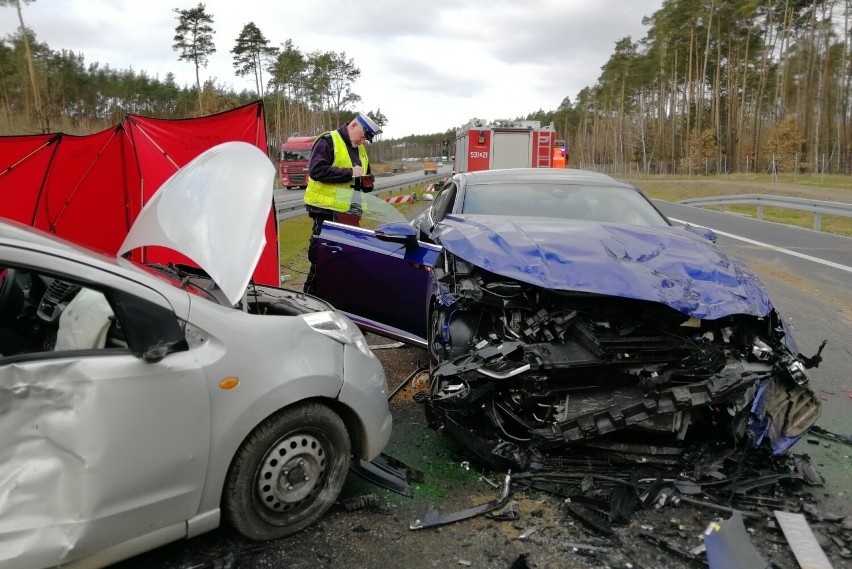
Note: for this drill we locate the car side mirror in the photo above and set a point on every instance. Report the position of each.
(704, 232)
(397, 232)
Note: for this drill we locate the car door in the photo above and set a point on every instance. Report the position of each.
(383, 285)
(98, 446)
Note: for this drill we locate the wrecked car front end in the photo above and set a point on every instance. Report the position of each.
(550, 338)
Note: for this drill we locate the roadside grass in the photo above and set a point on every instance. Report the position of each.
(662, 188)
(830, 223)
(293, 235)
(829, 181)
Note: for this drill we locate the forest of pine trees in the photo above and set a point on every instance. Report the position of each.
(714, 86)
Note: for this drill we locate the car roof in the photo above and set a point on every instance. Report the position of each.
(558, 175)
(19, 234)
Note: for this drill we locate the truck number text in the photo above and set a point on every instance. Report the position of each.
(479, 154)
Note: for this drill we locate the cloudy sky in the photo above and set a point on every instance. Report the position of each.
(429, 66)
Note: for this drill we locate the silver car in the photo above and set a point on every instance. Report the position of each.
(141, 404)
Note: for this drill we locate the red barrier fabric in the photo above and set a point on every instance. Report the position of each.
(89, 189)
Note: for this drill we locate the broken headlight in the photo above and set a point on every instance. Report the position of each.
(339, 328)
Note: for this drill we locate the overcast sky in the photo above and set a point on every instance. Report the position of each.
(429, 66)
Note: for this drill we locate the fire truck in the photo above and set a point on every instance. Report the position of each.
(481, 145)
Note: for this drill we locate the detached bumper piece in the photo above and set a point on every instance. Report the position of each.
(389, 473)
(434, 518)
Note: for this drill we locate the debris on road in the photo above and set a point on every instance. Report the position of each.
(728, 545)
(434, 518)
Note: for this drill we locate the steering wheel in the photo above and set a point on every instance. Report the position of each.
(7, 285)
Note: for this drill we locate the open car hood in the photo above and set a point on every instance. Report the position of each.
(662, 264)
(213, 211)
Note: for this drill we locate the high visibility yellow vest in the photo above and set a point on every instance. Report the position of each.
(333, 196)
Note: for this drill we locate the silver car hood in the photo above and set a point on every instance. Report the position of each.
(213, 211)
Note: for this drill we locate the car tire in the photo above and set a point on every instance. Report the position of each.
(287, 473)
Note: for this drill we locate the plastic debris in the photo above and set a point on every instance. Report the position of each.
(434, 518)
(728, 545)
(802, 541)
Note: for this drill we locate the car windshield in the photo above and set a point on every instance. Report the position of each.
(295, 155)
(564, 201)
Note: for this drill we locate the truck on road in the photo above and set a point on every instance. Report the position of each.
(430, 168)
(483, 145)
(293, 160)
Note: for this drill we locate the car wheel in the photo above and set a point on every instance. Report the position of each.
(287, 473)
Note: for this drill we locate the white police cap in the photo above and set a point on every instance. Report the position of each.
(371, 129)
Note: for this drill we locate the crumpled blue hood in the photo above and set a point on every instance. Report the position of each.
(661, 264)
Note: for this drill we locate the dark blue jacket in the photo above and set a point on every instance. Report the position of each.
(322, 158)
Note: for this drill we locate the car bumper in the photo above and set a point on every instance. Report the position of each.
(365, 391)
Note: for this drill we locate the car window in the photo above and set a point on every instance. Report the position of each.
(564, 201)
(44, 314)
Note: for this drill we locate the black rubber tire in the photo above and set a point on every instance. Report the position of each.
(287, 473)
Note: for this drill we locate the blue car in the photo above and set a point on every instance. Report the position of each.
(563, 313)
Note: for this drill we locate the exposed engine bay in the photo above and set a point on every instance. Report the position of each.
(520, 372)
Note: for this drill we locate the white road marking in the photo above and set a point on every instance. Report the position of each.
(774, 248)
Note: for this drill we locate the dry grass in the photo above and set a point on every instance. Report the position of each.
(837, 188)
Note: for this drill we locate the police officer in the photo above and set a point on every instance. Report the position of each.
(339, 170)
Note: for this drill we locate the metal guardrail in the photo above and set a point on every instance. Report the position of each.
(817, 207)
(295, 208)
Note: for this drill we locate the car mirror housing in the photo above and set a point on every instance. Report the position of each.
(704, 232)
(397, 232)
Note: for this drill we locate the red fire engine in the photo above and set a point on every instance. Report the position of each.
(481, 145)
